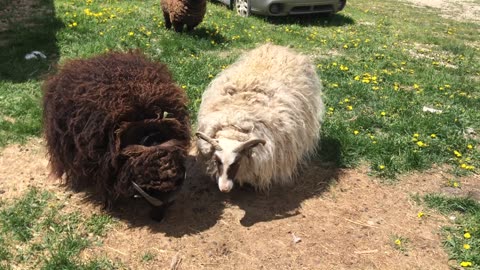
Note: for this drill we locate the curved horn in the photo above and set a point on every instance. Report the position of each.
(249, 144)
(211, 141)
(153, 201)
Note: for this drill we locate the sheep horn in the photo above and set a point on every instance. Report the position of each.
(153, 201)
(249, 144)
(209, 140)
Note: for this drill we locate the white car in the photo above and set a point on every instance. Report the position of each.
(284, 7)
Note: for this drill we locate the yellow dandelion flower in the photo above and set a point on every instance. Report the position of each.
(366, 80)
(455, 184)
(345, 46)
(416, 86)
(346, 100)
(357, 78)
(458, 154)
(131, 33)
(416, 135)
(470, 146)
(421, 144)
(467, 235)
(184, 86)
(381, 167)
(331, 109)
(383, 113)
(74, 24)
(420, 214)
(210, 76)
(463, 166)
(433, 135)
(466, 264)
(356, 132)
(149, 33)
(398, 242)
(466, 246)
(349, 108)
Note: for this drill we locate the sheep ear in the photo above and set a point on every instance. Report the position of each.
(249, 145)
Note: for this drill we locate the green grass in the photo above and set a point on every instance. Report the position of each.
(463, 238)
(378, 68)
(36, 233)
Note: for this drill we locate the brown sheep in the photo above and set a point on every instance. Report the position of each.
(108, 127)
(183, 12)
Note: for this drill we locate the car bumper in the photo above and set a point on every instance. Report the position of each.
(293, 7)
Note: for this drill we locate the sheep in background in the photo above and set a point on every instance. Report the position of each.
(260, 118)
(107, 128)
(183, 12)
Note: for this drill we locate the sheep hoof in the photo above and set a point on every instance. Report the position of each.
(158, 213)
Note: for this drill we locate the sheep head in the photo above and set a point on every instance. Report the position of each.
(227, 156)
(152, 162)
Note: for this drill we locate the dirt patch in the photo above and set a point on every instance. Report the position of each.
(468, 10)
(433, 53)
(334, 219)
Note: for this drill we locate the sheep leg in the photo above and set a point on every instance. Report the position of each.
(168, 22)
(191, 26)
(178, 27)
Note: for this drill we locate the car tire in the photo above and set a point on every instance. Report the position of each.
(242, 7)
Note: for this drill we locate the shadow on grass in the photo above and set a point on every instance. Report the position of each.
(26, 26)
(207, 34)
(324, 20)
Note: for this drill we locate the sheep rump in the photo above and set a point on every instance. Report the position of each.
(104, 125)
(183, 12)
(270, 93)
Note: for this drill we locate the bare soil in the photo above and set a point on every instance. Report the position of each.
(466, 10)
(345, 219)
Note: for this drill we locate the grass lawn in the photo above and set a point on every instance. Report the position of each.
(382, 63)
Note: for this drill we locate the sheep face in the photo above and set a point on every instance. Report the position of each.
(227, 156)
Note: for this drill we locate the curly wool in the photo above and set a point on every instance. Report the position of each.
(104, 125)
(271, 93)
(183, 12)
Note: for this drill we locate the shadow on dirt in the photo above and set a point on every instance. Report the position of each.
(199, 206)
(27, 26)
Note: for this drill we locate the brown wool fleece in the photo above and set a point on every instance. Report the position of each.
(183, 12)
(104, 125)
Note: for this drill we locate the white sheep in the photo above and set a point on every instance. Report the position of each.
(260, 118)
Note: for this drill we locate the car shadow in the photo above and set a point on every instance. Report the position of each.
(323, 20)
(27, 26)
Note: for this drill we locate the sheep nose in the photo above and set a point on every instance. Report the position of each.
(225, 186)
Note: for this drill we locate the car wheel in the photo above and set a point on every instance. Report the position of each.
(242, 7)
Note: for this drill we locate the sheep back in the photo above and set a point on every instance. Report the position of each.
(272, 93)
(97, 109)
(183, 12)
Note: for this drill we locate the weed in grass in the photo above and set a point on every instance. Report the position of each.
(463, 238)
(400, 243)
(98, 224)
(20, 218)
(148, 256)
(35, 231)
